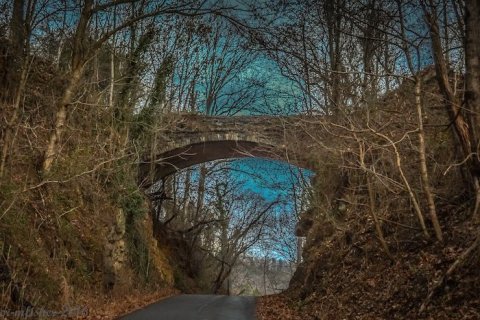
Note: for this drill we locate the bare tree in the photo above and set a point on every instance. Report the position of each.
(82, 52)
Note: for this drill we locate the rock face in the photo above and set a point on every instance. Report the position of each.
(115, 251)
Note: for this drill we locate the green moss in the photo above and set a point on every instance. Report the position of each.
(133, 207)
(130, 199)
(138, 251)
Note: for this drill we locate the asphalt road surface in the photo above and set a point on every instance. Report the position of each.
(197, 307)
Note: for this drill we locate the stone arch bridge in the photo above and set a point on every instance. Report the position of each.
(190, 139)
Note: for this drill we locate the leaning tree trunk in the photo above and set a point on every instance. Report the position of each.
(79, 58)
(472, 84)
(423, 162)
(60, 120)
(463, 120)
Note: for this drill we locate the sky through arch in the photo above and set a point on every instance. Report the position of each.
(283, 185)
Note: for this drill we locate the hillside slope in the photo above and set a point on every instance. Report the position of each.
(80, 234)
(348, 272)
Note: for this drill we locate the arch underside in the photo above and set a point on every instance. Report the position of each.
(186, 156)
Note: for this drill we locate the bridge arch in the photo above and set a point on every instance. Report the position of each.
(204, 149)
(191, 139)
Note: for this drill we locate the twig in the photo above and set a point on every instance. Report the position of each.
(399, 224)
(95, 168)
(460, 163)
(68, 211)
(8, 208)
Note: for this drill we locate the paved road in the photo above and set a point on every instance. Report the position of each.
(197, 307)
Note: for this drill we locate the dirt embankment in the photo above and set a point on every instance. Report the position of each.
(361, 197)
(356, 280)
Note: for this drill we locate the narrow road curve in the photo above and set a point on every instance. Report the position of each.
(197, 307)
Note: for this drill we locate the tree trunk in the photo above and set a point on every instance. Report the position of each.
(378, 226)
(472, 85)
(9, 136)
(200, 192)
(333, 23)
(79, 58)
(413, 198)
(16, 55)
(15, 76)
(60, 119)
(461, 125)
(186, 196)
(369, 48)
(423, 162)
(371, 199)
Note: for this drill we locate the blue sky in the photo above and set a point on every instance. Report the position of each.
(271, 179)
